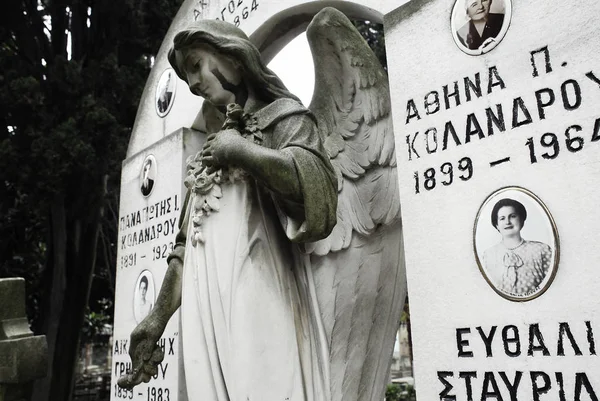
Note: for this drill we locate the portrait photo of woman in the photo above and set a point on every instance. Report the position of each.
(479, 25)
(518, 255)
(143, 298)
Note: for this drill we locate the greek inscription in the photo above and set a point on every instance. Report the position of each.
(452, 94)
(149, 213)
(538, 388)
(445, 393)
(535, 55)
(573, 142)
(200, 6)
(464, 165)
(490, 387)
(526, 110)
(237, 11)
(467, 376)
(535, 384)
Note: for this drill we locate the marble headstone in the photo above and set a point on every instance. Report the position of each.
(152, 196)
(508, 112)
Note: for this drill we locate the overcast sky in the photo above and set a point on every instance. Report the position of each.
(295, 67)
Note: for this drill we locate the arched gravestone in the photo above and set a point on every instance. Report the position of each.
(271, 26)
(167, 130)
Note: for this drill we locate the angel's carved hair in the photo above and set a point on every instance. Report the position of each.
(233, 42)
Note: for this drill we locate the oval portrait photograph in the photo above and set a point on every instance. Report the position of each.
(479, 25)
(143, 295)
(148, 175)
(516, 243)
(165, 92)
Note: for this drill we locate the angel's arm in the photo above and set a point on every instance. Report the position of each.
(295, 169)
(315, 216)
(169, 297)
(272, 167)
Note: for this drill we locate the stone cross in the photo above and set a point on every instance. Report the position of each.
(23, 356)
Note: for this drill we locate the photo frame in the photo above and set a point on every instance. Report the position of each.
(148, 174)
(165, 92)
(516, 243)
(478, 26)
(143, 295)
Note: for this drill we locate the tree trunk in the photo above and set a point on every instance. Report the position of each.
(55, 289)
(78, 30)
(76, 257)
(60, 23)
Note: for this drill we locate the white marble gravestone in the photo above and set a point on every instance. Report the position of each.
(515, 118)
(148, 223)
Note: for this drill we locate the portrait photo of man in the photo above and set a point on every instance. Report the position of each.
(147, 180)
(164, 99)
(165, 92)
(483, 26)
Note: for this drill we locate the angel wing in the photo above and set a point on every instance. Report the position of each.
(359, 268)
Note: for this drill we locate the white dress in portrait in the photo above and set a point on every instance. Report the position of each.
(518, 271)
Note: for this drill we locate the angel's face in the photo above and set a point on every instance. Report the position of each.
(210, 74)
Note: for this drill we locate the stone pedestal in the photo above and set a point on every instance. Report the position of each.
(23, 356)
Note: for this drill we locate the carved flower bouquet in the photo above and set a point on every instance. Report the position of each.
(205, 183)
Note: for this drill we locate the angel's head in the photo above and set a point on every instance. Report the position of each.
(218, 62)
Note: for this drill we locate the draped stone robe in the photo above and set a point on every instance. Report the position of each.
(251, 330)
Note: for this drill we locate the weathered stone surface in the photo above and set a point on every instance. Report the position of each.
(272, 176)
(23, 360)
(12, 298)
(23, 356)
(147, 229)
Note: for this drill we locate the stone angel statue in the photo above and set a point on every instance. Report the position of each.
(288, 265)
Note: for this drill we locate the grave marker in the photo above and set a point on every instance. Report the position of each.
(151, 201)
(503, 306)
(23, 356)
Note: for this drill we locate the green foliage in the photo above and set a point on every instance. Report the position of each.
(67, 108)
(373, 33)
(96, 323)
(405, 317)
(392, 393)
(395, 392)
(66, 114)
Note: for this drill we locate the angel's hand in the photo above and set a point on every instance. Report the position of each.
(145, 353)
(223, 148)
